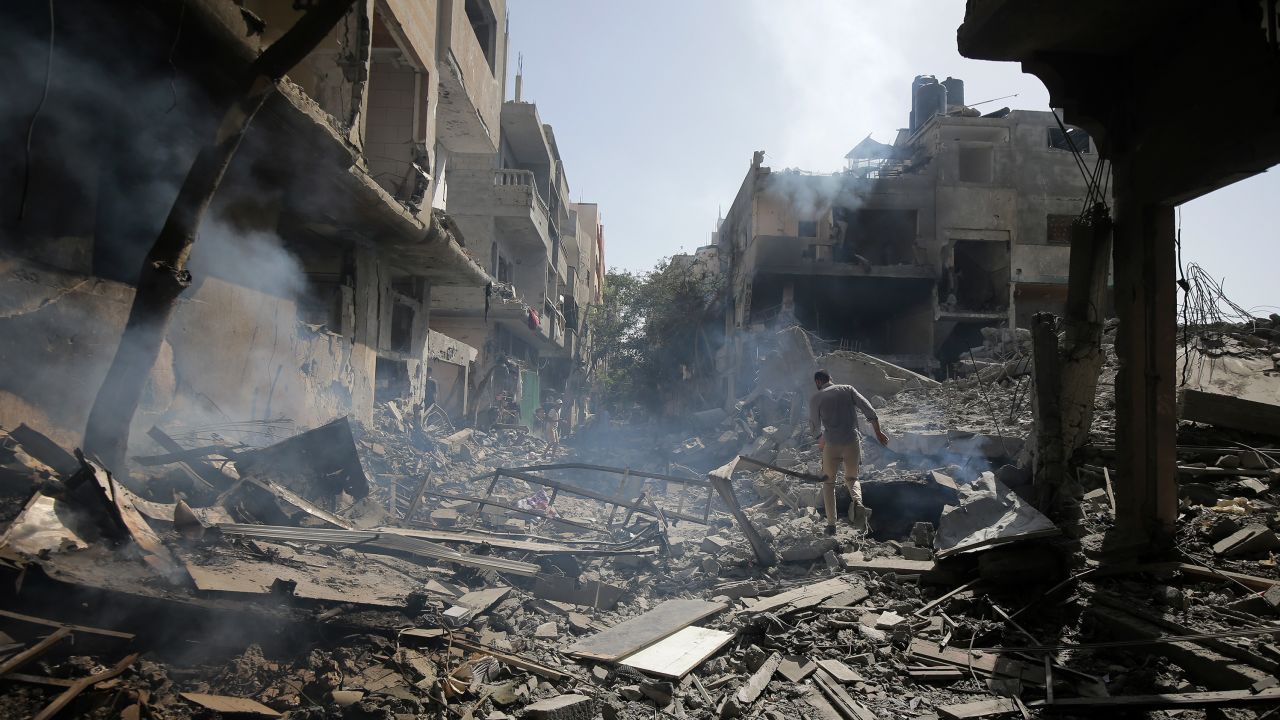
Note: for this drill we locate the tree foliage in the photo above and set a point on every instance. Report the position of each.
(651, 328)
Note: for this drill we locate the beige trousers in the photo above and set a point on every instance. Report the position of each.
(833, 456)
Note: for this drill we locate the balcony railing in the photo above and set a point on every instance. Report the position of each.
(521, 178)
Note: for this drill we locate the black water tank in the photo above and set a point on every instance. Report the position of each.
(919, 82)
(955, 90)
(930, 100)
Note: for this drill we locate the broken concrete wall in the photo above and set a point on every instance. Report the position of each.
(232, 353)
(871, 375)
(450, 362)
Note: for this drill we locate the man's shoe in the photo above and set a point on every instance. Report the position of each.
(859, 515)
(831, 530)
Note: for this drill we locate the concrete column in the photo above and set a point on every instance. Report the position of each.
(364, 348)
(1146, 423)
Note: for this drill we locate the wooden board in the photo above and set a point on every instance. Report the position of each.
(1221, 697)
(805, 596)
(230, 705)
(676, 655)
(840, 672)
(640, 632)
(847, 706)
(980, 662)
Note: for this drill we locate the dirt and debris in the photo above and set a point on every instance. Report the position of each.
(404, 570)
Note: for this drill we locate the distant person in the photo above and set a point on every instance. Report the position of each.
(432, 389)
(554, 414)
(833, 419)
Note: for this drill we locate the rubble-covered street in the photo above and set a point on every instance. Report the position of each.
(409, 571)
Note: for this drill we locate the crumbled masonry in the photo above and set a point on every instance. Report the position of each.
(455, 586)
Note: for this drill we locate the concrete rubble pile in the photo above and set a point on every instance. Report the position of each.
(415, 569)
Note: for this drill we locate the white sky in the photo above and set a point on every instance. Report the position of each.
(658, 105)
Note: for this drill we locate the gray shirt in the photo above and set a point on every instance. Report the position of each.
(832, 408)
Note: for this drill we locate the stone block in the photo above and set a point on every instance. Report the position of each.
(561, 707)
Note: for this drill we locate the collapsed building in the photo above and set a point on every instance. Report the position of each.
(331, 237)
(963, 222)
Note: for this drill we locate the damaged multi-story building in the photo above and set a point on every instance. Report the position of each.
(963, 222)
(545, 254)
(318, 267)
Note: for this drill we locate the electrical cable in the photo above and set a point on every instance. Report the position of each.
(31, 126)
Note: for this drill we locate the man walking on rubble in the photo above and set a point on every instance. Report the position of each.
(833, 419)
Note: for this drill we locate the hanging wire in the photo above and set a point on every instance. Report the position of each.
(31, 126)
(173, 68)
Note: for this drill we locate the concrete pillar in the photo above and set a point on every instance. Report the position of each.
(1146, 423)
(364, 347)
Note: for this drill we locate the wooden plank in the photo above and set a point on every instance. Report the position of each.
(844, 703)
(74, 628)
(34, 651)
(979, 709)
(979, 662)
(817, 592)
(38, 680)
(644, 630)
(1166, 700)
(675, 656)
(230, 705)
(943, 598)
(81, 685)
(841, 672)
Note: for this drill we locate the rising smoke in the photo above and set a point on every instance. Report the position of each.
(109, 149)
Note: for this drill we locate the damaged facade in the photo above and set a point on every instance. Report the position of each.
(328, 239)
(962, 223)
(545, 255)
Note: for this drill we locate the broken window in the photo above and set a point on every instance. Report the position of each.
(976, 163)
(807, 228)
(390, 380)
(1059, 229)
(401, 327)
(485, 27)
(321, 304)
(1076, 137)
(980, 276)
(878, 236)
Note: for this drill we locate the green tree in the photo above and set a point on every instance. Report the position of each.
(652, 326)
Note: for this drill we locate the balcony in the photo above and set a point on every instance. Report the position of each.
(519, 210)
(511, 198)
